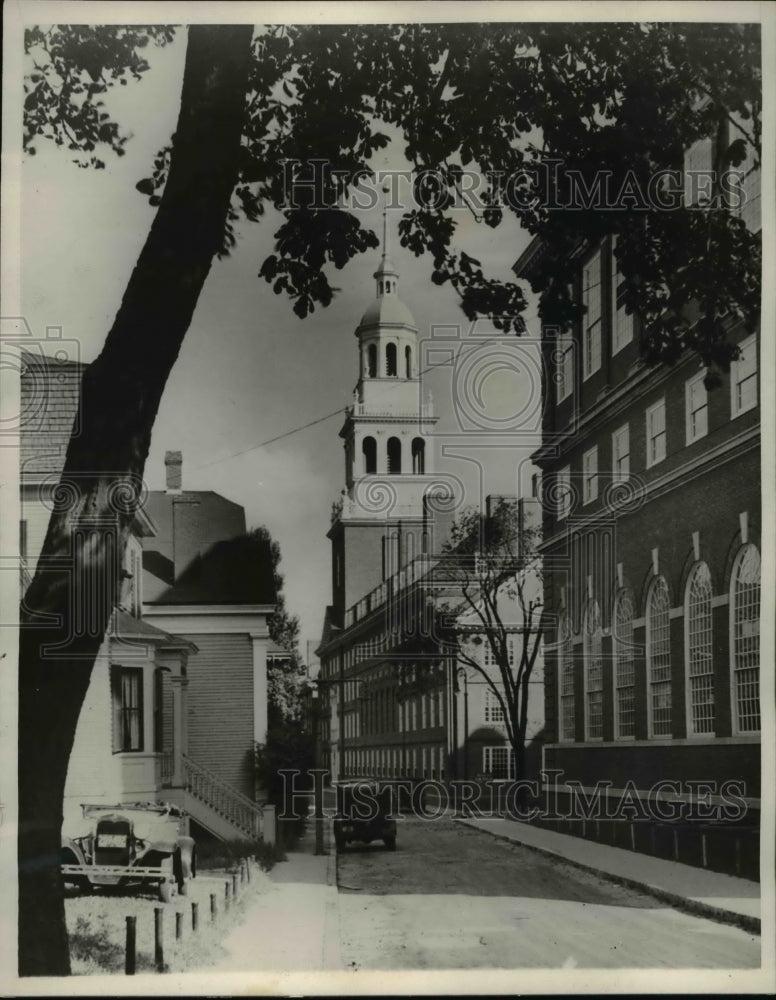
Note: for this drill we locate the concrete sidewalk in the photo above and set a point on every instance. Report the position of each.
(294, 926)
(694, 890)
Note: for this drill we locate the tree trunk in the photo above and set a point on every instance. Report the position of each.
(100, 490)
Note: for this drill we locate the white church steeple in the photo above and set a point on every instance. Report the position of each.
(384, 429)
(382, 520)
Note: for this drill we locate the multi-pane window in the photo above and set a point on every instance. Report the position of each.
(486, 656)
(696, 408)
(743, 378)
(748, 206)
(591, 300)
(498, 762)
(624, 677)
(493, 710)
(565, 367)
(751, 185)
(594, 674)
(127, 697)
(700, 673)
(590, 475)
(698, 164)
(656, 433)
(566, 670)
(745, 636)
(659, 659)
(622, 323)
(563, 495)
(621, 453)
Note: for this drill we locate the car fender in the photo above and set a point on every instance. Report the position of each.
(70, 847)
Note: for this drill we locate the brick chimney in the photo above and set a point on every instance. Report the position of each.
(173, 465)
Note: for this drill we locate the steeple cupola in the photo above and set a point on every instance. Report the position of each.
(382, 519)
(386, 317)
(384, 431)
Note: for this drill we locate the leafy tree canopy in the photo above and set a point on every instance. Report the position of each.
(285, 680)
(526, 105)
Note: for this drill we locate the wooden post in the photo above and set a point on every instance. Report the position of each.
(242, 870)
(704, 857)
(234, 885)
(159, 938)
(213, 909)
(248, 869)
(129, 957)
(226, 895)
(194, 916)
(178, 925)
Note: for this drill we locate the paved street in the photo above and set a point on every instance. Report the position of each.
(453, 897)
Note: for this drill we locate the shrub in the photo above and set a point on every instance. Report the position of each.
(227, 853)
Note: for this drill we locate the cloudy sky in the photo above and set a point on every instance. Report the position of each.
(249, 370)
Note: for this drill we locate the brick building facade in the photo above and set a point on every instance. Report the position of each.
(652, 506)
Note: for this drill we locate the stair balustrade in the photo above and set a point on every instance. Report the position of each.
(243, 813)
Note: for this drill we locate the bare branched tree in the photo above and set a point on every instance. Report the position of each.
(490, 575)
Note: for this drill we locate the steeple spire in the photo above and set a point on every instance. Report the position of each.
(385, 231)
(386, 275)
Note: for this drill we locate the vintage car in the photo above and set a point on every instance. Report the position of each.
(135, 844)
(363, 811)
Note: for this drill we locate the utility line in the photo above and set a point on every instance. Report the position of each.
(327, 416)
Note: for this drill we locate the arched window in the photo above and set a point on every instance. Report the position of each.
(745, 639)
(700, 670)
(567, 721)
(390, 360)
(394, 455)
(659, 659)
(369, 448)
(408, 361)
(418, 455)
(372, 360)
(624, 679)
(594, 674)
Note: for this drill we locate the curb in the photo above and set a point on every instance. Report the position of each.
(694, 907)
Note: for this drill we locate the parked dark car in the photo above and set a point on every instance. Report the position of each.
(137, 844)
(363, 811)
